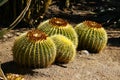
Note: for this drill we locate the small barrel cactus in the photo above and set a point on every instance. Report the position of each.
(59, 26)
(91, 36)
(11, 76)
(34, 49)
(66, 50)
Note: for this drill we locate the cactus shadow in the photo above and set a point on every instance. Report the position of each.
(114, 42)
(12, 67)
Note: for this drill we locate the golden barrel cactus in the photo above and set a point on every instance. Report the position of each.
(59, 26)
(91, 36)
(66, 50)
(11, 76)
(34, 49)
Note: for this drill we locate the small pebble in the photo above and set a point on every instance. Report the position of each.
(5, 36)
(9, 35)
(17, 33)
(84, 52)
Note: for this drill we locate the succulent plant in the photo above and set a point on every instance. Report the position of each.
(34, 49)
(11, 76)
(66, 50)
(91, 36)
(59, 26)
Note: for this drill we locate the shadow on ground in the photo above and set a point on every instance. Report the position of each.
(114, 42)
(12, 67)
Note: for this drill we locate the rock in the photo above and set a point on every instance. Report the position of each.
(84, 52)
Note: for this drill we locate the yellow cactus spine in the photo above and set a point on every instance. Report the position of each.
(59, 26)
(66, 50)
(91, 36)
(34, 49)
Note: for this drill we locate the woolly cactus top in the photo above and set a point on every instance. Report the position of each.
(92, 24)
(36, 35)
(58, 22)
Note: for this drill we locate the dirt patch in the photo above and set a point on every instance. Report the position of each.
(101, 66)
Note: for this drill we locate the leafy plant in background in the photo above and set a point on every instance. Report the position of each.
(17, 20)
(36, 11)
(2, 2)
(33, 12)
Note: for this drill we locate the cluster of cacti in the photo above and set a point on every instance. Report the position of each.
(56, 41)
(59, 26)
(66, 50)
(91, 36)
(34, 49)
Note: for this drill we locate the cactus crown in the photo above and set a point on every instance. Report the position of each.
(58, 22)
(35, 35)
(92, 24)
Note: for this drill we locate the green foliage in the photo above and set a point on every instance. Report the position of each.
(3, 32)
(36, 11)
(17, 20)
(2, 2)
(67, 3)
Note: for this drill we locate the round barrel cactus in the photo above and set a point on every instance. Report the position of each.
(91, 36)
(59, 26)
(11, 76)
(66, 50)
(34, 49)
